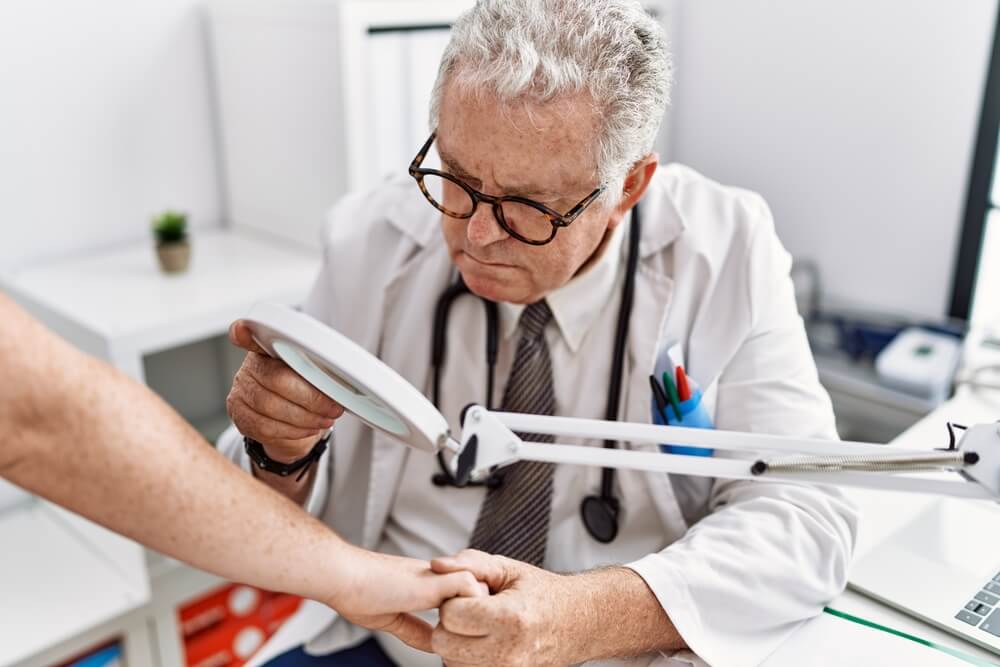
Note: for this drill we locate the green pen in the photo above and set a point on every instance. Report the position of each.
(675, 400)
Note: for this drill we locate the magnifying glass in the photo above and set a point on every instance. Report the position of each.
(351, 376)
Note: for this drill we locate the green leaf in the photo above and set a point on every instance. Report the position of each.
(170, 226)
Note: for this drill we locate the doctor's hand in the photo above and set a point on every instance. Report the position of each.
(527, 620)
(380, 590)
(536, 617)
(270, 403)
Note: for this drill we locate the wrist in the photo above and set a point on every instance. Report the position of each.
(341, 562)
(603, 603)
(354, 573)
(289, 451)
(582, 620)
(262, 460)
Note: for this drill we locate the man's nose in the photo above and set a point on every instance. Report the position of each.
(483, 227)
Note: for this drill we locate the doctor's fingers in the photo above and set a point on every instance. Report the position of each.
(498, 572)
(411, 630)
(277, 407)
(473, 616)
(288, 437)
(240, 336)
(282, 380)
(444, 587)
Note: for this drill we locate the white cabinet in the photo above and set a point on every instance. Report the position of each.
(320, 97)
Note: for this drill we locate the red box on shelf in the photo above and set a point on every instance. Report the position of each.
(226, 627)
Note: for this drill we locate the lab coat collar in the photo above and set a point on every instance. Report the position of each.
(662, 223)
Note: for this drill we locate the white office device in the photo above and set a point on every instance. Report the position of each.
(920, 362)
(375, 393)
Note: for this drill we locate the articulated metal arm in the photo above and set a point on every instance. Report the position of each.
(489, 441)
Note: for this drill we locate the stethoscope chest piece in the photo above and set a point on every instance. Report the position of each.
(600, 517)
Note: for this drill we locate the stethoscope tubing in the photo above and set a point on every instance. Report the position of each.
(603, 531)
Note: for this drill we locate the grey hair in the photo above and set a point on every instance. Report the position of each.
(538, 51)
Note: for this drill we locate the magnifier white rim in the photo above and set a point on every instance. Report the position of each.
(271, 321)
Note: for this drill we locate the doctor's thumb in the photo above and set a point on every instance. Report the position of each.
(412, 631)
(240, 336)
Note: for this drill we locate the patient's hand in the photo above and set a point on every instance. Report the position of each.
(381, 590)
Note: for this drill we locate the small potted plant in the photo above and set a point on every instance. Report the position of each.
(172, 247)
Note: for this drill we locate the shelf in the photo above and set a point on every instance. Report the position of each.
(62, 576)
(120, 296)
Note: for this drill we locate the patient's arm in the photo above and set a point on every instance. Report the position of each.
(84, 436)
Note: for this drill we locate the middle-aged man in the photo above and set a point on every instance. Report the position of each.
(557, 103)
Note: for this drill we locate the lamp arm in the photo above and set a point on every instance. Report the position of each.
(489, 442)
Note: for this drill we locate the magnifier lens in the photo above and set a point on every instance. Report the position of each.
(353, 398)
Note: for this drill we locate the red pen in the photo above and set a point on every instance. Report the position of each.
(683, 388)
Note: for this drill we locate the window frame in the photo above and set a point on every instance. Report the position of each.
(978, 203)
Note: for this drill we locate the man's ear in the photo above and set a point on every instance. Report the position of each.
(636, 181)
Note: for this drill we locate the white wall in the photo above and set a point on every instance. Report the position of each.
(105, 119)
(855, 119)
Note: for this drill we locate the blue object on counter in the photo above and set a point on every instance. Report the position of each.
(693, 415)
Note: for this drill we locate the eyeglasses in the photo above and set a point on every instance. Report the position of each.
(526, 220)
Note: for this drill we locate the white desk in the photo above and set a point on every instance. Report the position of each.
(884, 511)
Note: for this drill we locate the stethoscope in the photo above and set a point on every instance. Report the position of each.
(599, 512)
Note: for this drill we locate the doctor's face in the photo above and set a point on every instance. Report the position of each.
(541, 153)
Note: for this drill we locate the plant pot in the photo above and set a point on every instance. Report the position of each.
(174, 257)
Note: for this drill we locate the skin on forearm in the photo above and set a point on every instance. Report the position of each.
(296, 491)
(613, 613)
(68, 418)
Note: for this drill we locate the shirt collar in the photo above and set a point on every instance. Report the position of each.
(577, 304)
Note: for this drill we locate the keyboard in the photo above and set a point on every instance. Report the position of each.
(982, 611)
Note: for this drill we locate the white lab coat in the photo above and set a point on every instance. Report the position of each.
(747, 560)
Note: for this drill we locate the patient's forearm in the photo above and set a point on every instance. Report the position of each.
(88, 438)
(297, 490)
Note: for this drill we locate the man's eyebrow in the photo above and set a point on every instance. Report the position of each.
(458, 170)
(453, 164)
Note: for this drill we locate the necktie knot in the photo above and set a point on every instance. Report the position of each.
(534, 318)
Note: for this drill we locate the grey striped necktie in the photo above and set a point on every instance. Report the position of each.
(514, 518)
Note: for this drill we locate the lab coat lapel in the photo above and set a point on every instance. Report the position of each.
(654, 288)
(653, 291)
(409, 307)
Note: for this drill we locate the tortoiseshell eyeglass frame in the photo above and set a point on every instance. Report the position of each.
(557, 220)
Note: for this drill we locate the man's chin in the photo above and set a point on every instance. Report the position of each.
(490, 285)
